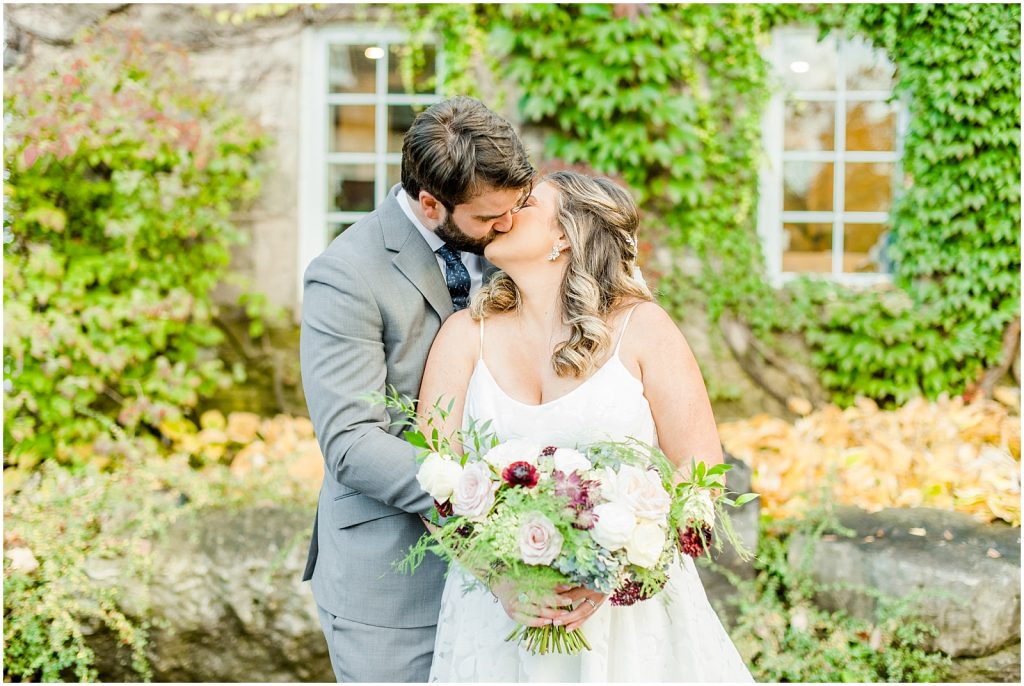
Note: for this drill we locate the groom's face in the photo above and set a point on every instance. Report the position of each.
(472, 225)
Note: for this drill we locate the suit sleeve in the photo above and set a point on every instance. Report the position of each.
(342, 358)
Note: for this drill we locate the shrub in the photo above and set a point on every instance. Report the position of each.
(121, 177)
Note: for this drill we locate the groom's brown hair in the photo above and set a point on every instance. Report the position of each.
(457, 149)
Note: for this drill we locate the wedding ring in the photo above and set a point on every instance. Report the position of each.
(592, 603)
(522, 597)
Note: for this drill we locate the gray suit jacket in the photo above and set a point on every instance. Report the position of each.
(372, 304)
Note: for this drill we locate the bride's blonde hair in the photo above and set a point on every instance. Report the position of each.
(600, 222)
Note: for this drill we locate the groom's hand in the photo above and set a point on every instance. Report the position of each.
(585, 603)
(532, 609)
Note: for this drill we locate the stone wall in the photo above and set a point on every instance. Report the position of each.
(228, 604)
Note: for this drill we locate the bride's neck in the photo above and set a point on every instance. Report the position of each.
(539, 310)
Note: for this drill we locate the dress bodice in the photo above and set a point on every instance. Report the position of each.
(608, 406)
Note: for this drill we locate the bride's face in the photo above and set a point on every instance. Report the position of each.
(534, 231)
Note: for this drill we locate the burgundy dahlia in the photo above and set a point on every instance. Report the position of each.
(444, 509)
(548, 451)
(628, 593)
(521, 474)
(573, 487)
(694, 543)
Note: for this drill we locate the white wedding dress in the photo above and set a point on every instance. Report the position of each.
(675, 636)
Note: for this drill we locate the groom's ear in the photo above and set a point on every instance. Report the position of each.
(431, 206)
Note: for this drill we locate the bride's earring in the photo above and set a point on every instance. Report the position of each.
(555, 252)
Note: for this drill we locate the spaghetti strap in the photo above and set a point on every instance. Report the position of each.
(481, 339)
(622, 332)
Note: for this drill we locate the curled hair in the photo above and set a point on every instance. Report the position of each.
(600, 221)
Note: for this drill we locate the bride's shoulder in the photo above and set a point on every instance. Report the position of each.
(650, 327)
(458, 332)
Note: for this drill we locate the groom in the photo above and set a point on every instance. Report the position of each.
(372, 304)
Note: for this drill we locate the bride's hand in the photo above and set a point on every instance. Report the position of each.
(585, 603)
(532, 610)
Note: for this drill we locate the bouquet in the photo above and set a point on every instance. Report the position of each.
(610, 516)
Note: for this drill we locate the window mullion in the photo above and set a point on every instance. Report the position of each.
(839, 169)
(381, 128)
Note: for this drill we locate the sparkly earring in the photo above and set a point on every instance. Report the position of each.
(555, 252)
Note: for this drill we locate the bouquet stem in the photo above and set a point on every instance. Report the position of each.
(540, 640)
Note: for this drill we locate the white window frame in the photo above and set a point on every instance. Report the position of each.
(314, 157)
(771, 215)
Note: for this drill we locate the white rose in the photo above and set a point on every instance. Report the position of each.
(539, 540)
(645, 545)
(700, 508)
(568, 460)
(474, 494)
(653, 501)
(627, 488)
(615, 524)
(638, 489)
(514, 450)
(438, 476)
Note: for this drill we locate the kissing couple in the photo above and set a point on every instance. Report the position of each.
(516, 296)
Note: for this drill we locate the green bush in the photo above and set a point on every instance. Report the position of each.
(121, 177)
(61, 523)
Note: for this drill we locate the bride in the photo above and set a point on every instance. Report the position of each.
(565, 347)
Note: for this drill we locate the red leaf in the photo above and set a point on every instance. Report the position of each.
(31, 154)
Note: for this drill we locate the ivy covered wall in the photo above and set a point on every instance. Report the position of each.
(669, 99)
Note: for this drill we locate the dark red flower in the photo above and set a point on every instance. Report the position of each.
(465, 530)
(694, 543)
(444, 509)
(521, 474)
(573, 487)
(548, 451)
(628, 593)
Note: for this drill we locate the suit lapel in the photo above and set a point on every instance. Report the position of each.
(489, 271)
(414, 257)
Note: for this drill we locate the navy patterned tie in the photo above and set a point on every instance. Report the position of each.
(456, 276)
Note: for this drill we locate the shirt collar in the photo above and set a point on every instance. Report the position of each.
(432, 239)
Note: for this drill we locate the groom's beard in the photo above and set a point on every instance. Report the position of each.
(456, 239)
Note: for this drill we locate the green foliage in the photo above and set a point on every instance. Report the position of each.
(669, 98)
(785, 637)
(640, 97)
(956, 244)
(121, 180)
(71, 524)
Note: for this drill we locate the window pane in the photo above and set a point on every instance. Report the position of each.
(870, 126)
(806, 63)
(868, 186)
(423, 74)
(810, 125)
(807, 186)
(400, 118)
(807, 248)
(351, 69)
(864, 248)
(352, 128)
(394, 175)
(867, 68)
(334, 229)
(350, 188)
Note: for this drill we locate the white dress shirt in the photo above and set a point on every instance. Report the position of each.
(474, 263)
